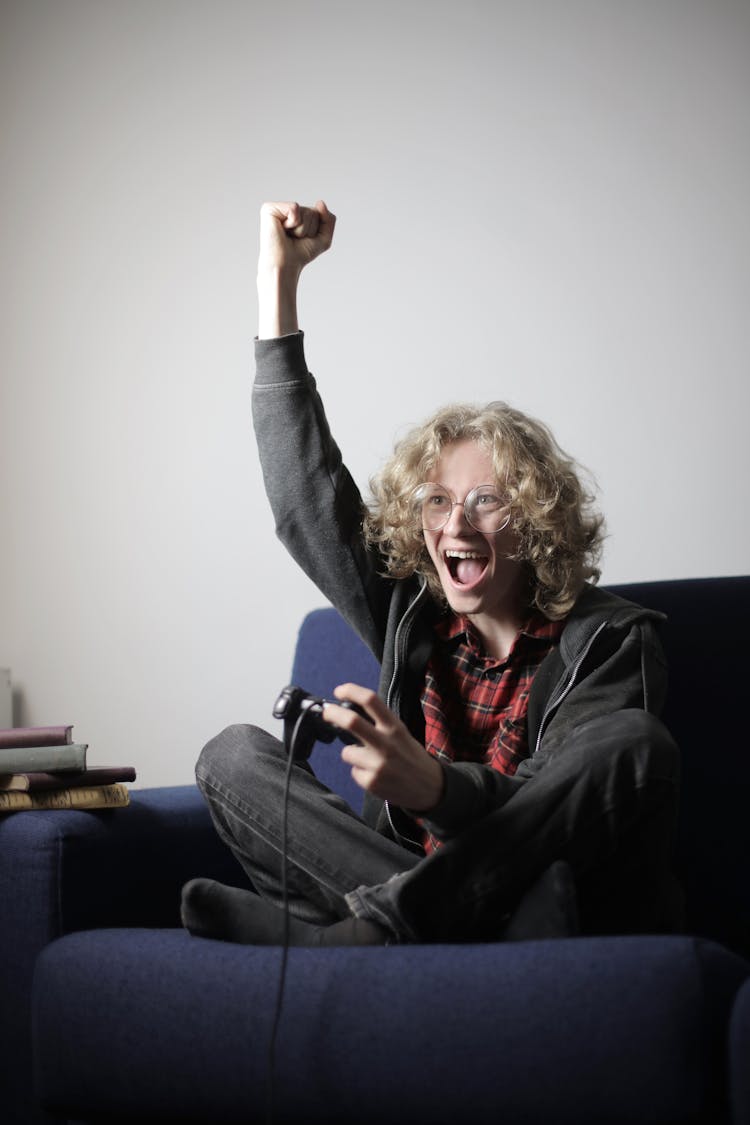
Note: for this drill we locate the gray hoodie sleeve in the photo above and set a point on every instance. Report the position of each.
(316, 505)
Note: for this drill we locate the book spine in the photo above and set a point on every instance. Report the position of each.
(66, 779)
(91, 797)
(13, 737)
(49, 759)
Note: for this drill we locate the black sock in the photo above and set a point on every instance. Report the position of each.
(213, 910)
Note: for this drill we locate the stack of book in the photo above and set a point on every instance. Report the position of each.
(43, 768)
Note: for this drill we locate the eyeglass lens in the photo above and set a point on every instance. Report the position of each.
(484, 509)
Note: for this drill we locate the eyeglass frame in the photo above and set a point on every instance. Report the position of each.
(454, 503)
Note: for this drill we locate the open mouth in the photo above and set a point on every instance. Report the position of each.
(465, 567)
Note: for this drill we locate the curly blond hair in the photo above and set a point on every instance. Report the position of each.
(559, 533)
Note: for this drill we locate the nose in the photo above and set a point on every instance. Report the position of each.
(457, 524)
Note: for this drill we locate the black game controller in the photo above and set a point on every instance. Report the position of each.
(304, 724)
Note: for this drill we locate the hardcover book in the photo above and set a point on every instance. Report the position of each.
(35, 736)
(67, 779)
(33, 759)
(87, 797)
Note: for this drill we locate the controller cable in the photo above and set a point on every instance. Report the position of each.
(290, 745)
(299, 710)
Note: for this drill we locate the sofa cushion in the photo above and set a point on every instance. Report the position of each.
(739, 1057)
(132, 1024)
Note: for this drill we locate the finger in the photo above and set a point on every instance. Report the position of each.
(299, 222)
(296, 221)
(364, 778)
(311, 222)
(293, 217)
(366, 698)
(327, 222)
(375, 710)
(366, 765)
(307, 227)
(344, 719)
(287, 214)
(362, 757)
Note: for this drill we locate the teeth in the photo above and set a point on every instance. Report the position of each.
(463, 555)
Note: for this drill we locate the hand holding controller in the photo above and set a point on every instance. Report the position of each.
(304, 724)
(338, 732)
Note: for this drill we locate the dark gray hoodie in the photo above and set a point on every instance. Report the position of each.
(609, 657)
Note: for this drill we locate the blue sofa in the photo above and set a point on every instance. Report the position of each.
(111, 1013)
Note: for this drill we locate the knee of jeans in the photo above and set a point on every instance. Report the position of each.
(233, 747)
(629, 743)
(641, 740)
(655, 751)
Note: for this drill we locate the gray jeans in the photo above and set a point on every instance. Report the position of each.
(330, 849)
(606, 803)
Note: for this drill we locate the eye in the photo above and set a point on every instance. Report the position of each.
(488, 500)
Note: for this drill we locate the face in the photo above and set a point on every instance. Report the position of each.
(478, 578)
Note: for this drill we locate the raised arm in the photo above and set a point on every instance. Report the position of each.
(290, 237)
(319, 521)
(316, 504)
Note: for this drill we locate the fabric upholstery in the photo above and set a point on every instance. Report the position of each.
(69, 870)
(739, 1057)
(136, 1021)
(705, 639)
(328, 653)
(156, 1023)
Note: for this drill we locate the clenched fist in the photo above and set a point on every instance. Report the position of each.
(290, 237)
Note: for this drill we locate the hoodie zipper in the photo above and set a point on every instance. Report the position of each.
(392, 699)
(398, 645)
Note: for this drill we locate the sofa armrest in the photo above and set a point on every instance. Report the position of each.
(75, 870)
(79, 869)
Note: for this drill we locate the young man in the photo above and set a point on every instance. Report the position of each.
(517, 780)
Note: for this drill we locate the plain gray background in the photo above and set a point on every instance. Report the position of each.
(539, 201)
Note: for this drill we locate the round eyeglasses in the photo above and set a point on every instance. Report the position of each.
(485, 510)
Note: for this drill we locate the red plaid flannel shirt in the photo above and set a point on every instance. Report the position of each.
(475, 706)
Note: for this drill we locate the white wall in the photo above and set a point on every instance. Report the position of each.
(539, 200)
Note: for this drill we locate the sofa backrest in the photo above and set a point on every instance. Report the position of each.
(705, 639)
(329, 653)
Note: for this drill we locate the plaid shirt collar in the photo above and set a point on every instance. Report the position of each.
(536, 628)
